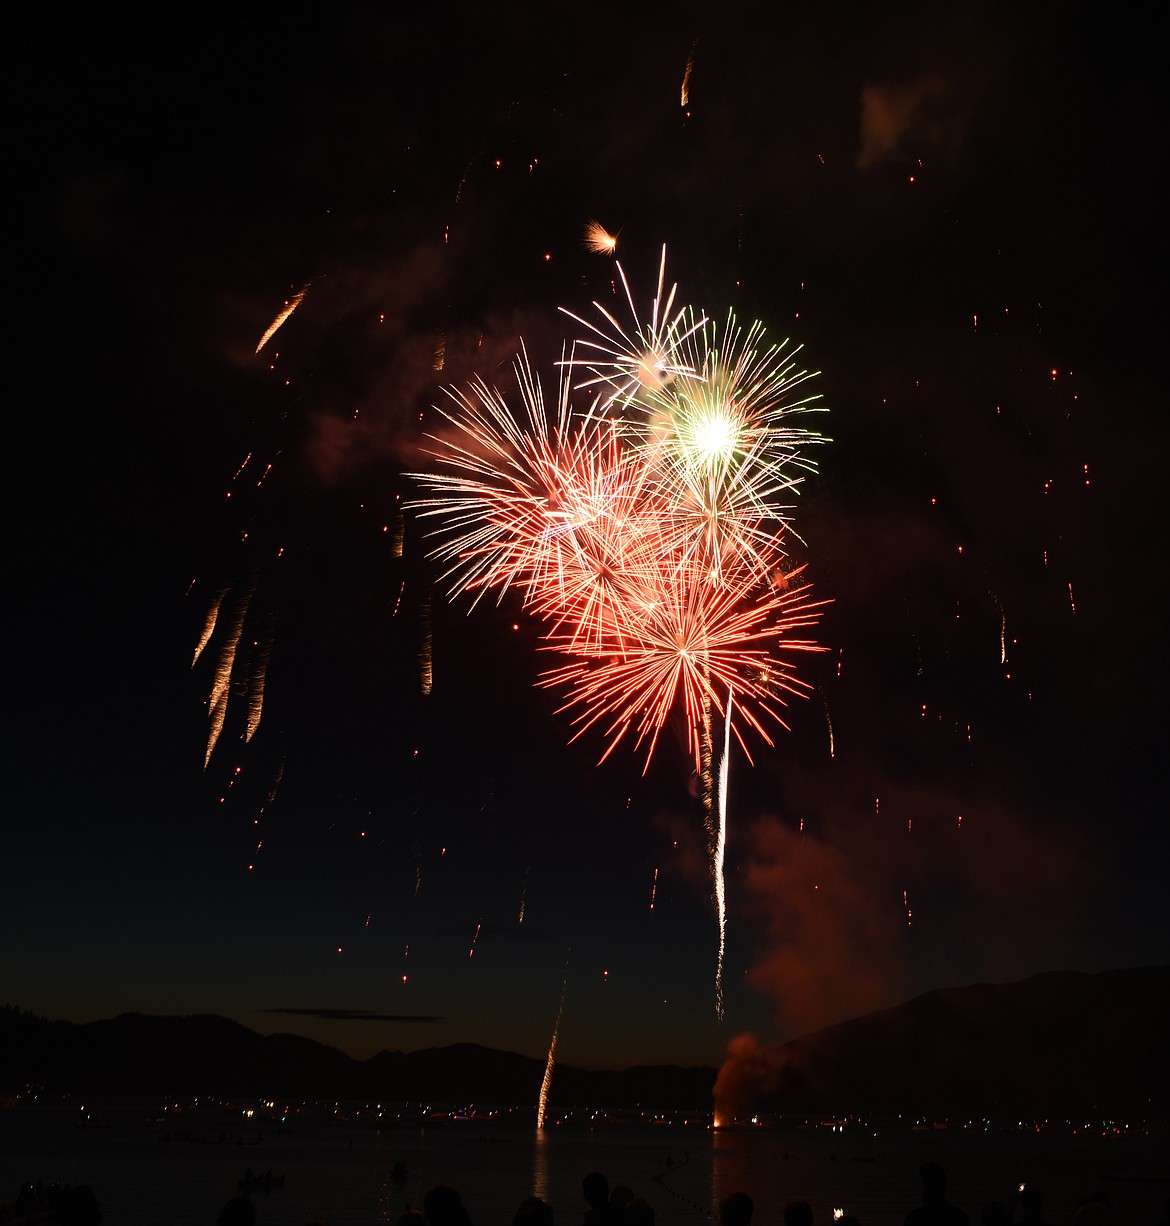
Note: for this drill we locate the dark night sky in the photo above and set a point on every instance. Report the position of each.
(955, 212)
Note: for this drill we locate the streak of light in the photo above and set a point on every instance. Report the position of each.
(290, 306)
(256, 695)
(398, 535)
(217, 716)
(909, 912)
(829, 722)
(546, 1082)
(209, 625)
(523, 897)
(1003, 659)
(685, 92)
(463, 181)
(276, 781)
(425, 651)
(478, 930)
(223, 675)
(653, 889)
(1072, 602)
(720, 855)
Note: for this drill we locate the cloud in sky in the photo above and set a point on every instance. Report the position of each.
(358, 1015)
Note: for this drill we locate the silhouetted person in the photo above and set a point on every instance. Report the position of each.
(639, 1213)
(935, 1209)
(798, 1213)
(1031, 1207)
(533, 1212)
(736, 1210)
(620, 1198)
(443, 1206)
(79, 1207)
(1096, 1209)
(994, 1213)
(595, 1189)
(239, 1211)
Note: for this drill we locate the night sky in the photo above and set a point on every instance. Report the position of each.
(954, 209)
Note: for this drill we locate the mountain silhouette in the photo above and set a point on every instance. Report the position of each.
(1057, 1043)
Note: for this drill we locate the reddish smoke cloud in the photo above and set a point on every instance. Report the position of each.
(748, 1072)
(894, 115)
(873, 899)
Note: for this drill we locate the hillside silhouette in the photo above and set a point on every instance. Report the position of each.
(1058, 1043)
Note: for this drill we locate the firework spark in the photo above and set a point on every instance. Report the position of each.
(685, 643)
(598, 240)
(290, 306)
(624, 365)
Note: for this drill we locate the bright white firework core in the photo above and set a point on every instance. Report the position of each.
(710, 435)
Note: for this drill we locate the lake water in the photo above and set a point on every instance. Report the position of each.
(340, 1172)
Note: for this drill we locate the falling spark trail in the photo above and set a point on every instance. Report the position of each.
(220, 688)
(685, 92)
(653, 889)
(294, 302)
(425, 656)
(256, 697)
(1002, 629)
(399, 532)
(720, 852)
(209, 625)
(276, 781)
(218, 713)
(829, 725)
(542, 1102)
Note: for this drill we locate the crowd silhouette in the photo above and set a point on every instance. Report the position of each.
(63, 1205)
(620, 1206)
